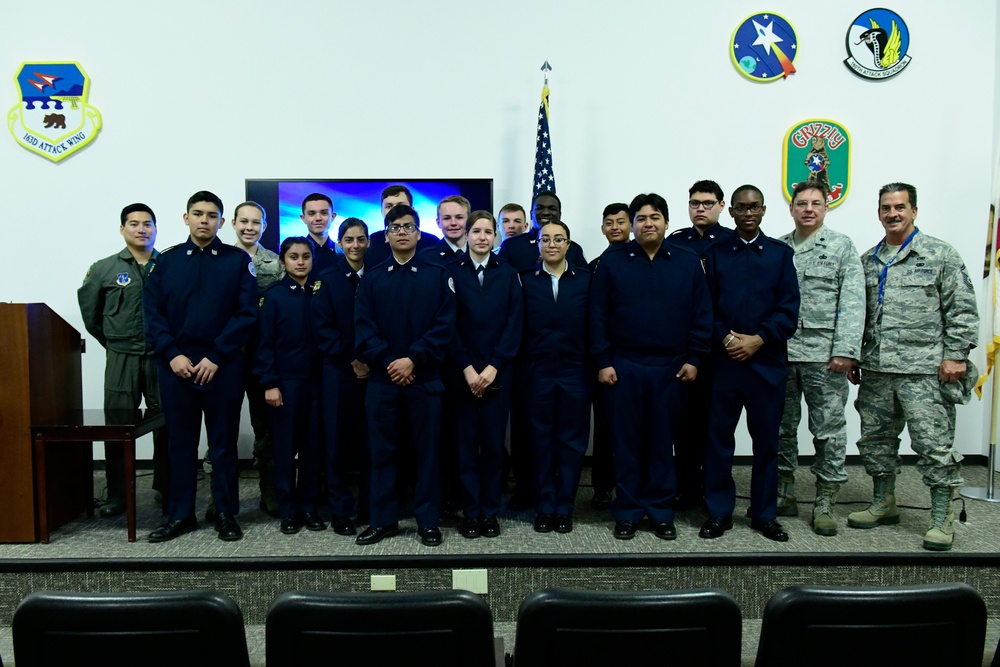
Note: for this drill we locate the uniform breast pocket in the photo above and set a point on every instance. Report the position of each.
(820, 280)
(115, 326)
(919, 288)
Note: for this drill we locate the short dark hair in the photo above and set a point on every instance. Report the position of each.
(747, 188)
(401, 211)
(316, 196)
(511, 207)
(206, 196)
(651, 199)
(546, 193)
(899, 187)
(707, 186)
(347, 224)
(612, 209)
(137, 208)
(810, 185)
(263, 215)
(561, 224)
(476, 216)
(395, 190)
(293, 240)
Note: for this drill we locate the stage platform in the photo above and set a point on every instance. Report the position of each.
(92, 554)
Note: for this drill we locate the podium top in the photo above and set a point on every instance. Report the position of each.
(100, 424)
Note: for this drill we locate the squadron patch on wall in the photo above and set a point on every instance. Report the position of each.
(818, 150)
(52, 117)
(763, 47)
(877, 44)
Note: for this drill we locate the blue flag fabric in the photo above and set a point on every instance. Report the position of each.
(545, 177)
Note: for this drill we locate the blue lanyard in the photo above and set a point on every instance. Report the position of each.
(885, 269)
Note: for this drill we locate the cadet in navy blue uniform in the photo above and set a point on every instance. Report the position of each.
(318, 215)
(617, 228)
(651, 318)
(200, 304)
(488, 334)
(378, 248)
(706, 202)
(344, 377)
(404, 320)
(286, 368)
(555, 356)
(523, 252)
(755, 294)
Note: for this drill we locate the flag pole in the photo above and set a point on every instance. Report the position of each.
(987, 493)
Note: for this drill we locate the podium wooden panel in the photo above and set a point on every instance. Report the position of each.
(40, 379)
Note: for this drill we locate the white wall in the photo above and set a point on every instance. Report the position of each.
(644, 98)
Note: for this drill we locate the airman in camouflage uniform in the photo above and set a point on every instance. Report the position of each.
(824, 350)
(922, 321)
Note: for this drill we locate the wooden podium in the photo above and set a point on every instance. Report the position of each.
(40, 379)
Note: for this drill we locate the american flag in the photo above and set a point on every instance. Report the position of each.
(545, 177)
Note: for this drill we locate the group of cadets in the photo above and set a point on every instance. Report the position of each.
(403, 355)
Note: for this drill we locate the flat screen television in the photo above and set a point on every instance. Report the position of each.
(357, 198)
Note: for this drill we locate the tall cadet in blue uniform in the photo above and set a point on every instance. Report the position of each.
(287, 370)
(556, 365)
(404, 320)
(650, 323)
(755, 293)
(345, 379)
(200, 304)
(318, 215)
(488, 334)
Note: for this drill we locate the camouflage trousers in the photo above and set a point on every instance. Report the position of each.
(826, 398)
(887, 401)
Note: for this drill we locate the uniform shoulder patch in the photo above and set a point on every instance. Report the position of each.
(451, 284)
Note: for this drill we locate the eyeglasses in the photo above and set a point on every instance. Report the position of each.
(559, 240)
(408, 228)
(695, 204)
(803, 205)
(752, 208)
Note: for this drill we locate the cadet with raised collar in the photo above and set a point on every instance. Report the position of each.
(616, 226)
(706, 202)
(823, 352)
(378, 246)
(200, 304)
(921, 323)
(556, 363)
(287, 370)
(647, 344)
(404, 321)
(111, 305)
(755, 296)
(344, 377)
(318, 215)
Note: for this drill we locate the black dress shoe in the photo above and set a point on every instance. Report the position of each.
(469, 528)
(665, 530)
(113, 507)
(490, 526)
(543, 523)
(430, 536)
(342, 525)
(226, 526)
(772, 530)
(373, 535)
(715, 527)
(519, 502)
(563, 524)
(624, 530)
(172, 529)
(291, 525)
(313, 521)
(601, 500)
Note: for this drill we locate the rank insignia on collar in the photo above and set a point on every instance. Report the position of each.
(190, 251)
(214, 251)
(123, 279)
(391, 267)
(534, 240)
(413, 268)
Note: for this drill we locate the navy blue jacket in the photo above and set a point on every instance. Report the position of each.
(401, 311)
(523, 252)
(594, 263)
(556, 330)
(651, 311)
(286, 349)
(379, 250)
(754, 290)
(333, 300)
(691, 239)
(490, 316)
(324, 256)
(441, 253)
(200, 303)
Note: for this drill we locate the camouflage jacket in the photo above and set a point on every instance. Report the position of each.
(111, 303)
(832, 285)
(928, 311)
(268, 268)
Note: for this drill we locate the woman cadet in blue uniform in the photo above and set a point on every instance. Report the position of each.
(487, 336)
(555, 357)
(287, 370)
(344, 377)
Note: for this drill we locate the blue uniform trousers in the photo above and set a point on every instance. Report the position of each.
(520, 428)
(691, 434)
(736, 385)
(645, 406)
(184, 403)
(481, 424)
(346, 437)
(602, 471)
(390, 410)
(295, 428)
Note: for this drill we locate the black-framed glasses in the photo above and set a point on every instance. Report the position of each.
(751, 208)
(694, 204)
(559, 240)
(409, 227)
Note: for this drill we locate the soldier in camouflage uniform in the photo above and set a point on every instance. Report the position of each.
(824, 350)
(921, 323)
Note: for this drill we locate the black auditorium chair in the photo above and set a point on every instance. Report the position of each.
(574, 628)
(442, 628)
(188, 628)
(937, 624)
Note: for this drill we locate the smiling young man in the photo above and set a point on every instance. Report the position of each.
(318, 215)
(452, 214)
